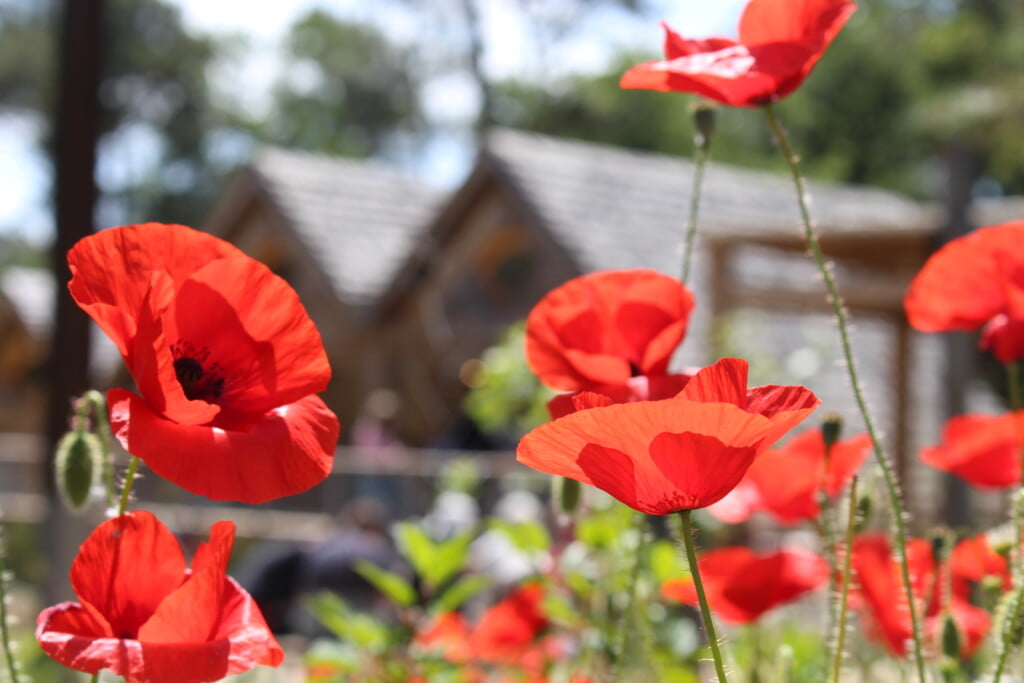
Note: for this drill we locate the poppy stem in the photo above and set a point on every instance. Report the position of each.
(129, 481)
(98, 404)
(12, 669)
(704, 120)
(629, 615)
(709, 626)
(1011, 621)
(844, 590)
(839, 308)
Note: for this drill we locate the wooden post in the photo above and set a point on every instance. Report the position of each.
(77, 129)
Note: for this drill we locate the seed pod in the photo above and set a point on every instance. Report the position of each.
(77, 465)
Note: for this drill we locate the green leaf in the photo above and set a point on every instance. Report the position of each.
(359, 628)
(603, 529)
(434, 562)
(665, 561)
(530, 537)
(415, 546)
(459, 592)
(396, 588)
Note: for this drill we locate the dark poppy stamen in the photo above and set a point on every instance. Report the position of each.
(201, 381)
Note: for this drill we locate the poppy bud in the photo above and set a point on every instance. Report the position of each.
(568, 494)
(863, 514)
(950, 638)
(77, 465)
(991, 589)
(831, 429)
(704, 121)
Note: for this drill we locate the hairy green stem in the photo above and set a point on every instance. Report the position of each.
(98, 404)
(888, 472)
(1012, 617)
(705, 612)
(629, 615)
(129, 481)
(12, 669)
(844, 590)
(700, 159)
(827, 532)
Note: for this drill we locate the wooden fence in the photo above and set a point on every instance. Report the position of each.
(404, 480)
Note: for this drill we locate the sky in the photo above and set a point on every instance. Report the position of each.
(24, 171)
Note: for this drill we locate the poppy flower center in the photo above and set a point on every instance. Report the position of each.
(201, 380)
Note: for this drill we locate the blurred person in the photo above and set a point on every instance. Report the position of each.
(280, 578)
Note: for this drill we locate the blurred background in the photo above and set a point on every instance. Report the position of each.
(423, 172)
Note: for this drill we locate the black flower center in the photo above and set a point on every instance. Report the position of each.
(200, 379)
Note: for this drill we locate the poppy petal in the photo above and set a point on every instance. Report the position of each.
(780, 42)
(63, 637)
(251, 323)
(605, 327)
(192, 612)
(701, 465)
(773, 21)
(723, 382)
(152, 364)
(286, 451)
(980, 449)
(629, 428)
(134, 549)
(111, 270)
(962, 285)
(612, 471)
(844, 461)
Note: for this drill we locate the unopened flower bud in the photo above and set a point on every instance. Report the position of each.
(864, 509)
(831, 429)
(568, 494)
(950, 637)
(77, 464)
(704, 120)
(991, 589)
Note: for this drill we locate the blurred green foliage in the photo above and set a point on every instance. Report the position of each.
(902, 81)
(506, 398)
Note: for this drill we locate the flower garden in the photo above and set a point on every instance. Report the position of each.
(632, 575)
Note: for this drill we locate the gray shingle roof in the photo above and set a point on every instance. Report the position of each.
(358, 219)
(615, 208)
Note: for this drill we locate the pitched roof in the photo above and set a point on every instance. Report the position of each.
(616, 208)
(358, 219)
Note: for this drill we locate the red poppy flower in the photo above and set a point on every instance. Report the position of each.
(786, 482)
(506, 634)
(972, 282)
(883, 602)
(677, 454)
(142, 615)
(225, 358)
(595, 332)
(779, 43)
(741, 585)
(973, 559)
(983, 450)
